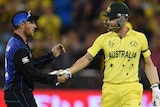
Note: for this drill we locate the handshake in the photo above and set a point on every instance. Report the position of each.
(62, 75)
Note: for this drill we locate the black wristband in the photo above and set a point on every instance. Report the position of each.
(51, 56)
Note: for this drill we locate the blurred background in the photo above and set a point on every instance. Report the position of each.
(76, 24)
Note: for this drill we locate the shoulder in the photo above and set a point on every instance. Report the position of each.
(138, 34)
(14, 44)
(133, 32)
(106, 35)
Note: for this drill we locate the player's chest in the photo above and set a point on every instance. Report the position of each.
(127, 43)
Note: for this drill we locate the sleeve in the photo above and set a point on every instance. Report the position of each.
(96, 47)
(43, 61)
(145, 49)
(24, 63)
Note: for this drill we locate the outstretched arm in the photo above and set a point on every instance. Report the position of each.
(81, 63)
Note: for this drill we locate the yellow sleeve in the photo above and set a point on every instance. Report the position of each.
(96, 46)
(145, 49)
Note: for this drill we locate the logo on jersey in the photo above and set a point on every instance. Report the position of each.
(8, 48)
(108, 9)
(6, 74)
(111, 43)
(122, 54)
(25, 60)
(133, 43)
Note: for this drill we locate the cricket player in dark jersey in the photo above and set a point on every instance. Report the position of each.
(20, 67)
(122, 47)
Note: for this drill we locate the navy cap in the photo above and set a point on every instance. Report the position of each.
(23, 16)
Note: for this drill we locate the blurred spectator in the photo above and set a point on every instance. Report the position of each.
(5, 35)
(15, 5)
(38, 45)
(49, 22)
(33, 5)
(155, 23)
(74, 48)
(85, 12)
(140, 24)
(139, 17)
(155, 4)
(64, 10)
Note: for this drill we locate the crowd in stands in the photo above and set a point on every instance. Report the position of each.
(76, 24)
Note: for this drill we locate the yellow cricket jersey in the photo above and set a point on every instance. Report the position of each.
(121, 55)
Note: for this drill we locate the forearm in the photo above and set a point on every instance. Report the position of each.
(81, 63)
(152, 75)
(43, 60)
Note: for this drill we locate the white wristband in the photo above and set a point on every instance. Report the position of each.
(68, 73)
(154, 86)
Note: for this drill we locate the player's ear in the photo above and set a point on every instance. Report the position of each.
(22, 25)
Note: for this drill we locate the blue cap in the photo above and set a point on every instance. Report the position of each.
(23, 16)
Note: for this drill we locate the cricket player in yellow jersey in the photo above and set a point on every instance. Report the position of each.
(122, 47)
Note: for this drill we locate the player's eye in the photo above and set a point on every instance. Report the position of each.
(32, 21)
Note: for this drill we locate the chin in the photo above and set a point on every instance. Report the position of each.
(30, 38)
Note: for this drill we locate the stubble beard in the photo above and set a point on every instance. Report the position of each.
(29, 35)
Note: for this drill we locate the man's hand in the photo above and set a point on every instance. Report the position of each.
(65, 72)
(62, 75)
(57, 50)
(155, 95)
(61, 78)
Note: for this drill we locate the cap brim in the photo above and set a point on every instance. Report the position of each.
(109, 16)
(34, 18)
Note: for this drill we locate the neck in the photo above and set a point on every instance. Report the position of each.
(21, 34)
(123, 31)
